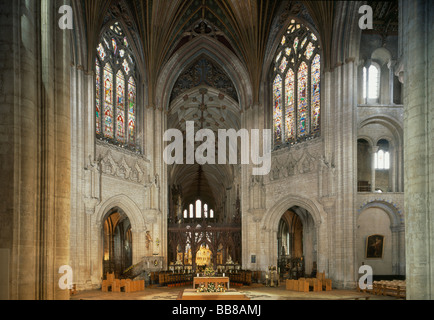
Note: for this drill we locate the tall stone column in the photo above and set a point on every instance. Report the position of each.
(417, 40)
(18, 151)
(35, 130)
(391, 67)
(373, 151)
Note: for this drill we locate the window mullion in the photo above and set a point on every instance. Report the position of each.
(296, 101)
(102, 96)
(309, 99)
(115, 106)
(284, 106)
(126, 110)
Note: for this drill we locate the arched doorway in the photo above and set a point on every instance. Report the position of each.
(296, 238)
(117, 243)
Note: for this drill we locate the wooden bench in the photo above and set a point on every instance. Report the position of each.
(107, 284)
(318, 284)
(300, 285)
(395, 288)
(134, 286)
(124, 285)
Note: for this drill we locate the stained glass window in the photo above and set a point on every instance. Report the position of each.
(278, 57)
(115, 46)
(309, 50)
(297, 86)
(108, 102)
(302, 99)
(101, 52)
(296, 44)
(284, 64)
(120, 110)
(115, 89)
(131, 110)
(316, 93)
(98, 98)
(289, 106)
(277, 93)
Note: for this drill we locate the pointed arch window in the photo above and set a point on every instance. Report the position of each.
(297, 86)
(116, 89)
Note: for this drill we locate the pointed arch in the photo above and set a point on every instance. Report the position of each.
(125, 204)
(215, 51)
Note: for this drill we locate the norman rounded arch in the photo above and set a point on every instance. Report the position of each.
(367, 139)
(388, 122)
(390, 209)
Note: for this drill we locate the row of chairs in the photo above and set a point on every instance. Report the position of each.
(318, 284)
(241, 278)
(170, 279)
(394, 288)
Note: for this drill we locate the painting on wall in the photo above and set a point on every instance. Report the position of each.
(374, 246)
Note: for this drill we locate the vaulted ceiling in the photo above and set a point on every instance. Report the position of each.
(245, 27)
(386, 17)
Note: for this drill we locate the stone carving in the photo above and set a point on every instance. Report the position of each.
(275, 172)
(290, 167)
(326, 172)
(305, 164)
(122, 169)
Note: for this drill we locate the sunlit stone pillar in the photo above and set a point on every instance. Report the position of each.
(417, 36)
(35, 149)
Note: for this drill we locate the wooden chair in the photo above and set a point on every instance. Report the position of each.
(327, 284)
(303, 285)
(128, 286)
(116, 285)
(106, 286)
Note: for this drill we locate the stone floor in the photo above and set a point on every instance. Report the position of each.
(253, 292)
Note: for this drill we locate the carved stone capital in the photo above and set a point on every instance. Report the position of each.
(257, 214)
